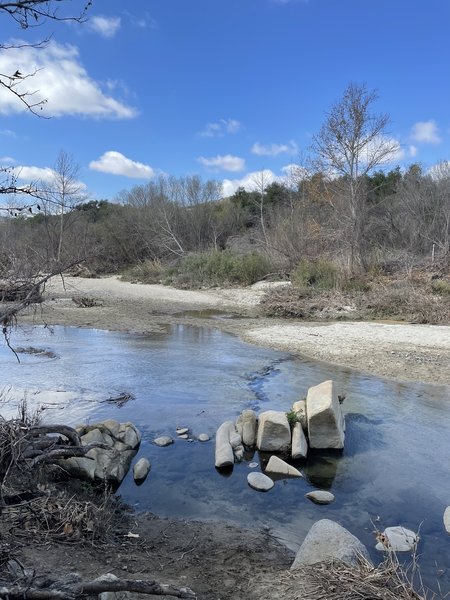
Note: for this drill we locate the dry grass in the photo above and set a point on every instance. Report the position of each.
(338, 581)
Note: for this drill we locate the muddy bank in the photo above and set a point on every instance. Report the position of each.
(401, 351)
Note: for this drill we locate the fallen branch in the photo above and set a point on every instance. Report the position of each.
(91, 588)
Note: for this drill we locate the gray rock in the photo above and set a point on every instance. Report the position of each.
(224, 456)
(327, 541)
(326, 426)
(162, 441)
(246, 427)
(447, 519)
(299, 408)
(183, 436)
(182, 430)
(299, 448)
(398, 539)
(276, 466)
(235, 438)
(100, 464)
(274, 433)
(141, 469)
(320, 497)
(203, 437)
(252, 465)
(238, 453)
(260, 482)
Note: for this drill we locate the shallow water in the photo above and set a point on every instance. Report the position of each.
(394, 469)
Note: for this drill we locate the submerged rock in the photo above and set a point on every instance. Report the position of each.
(327, 541)
(320, 497)
(260, 482)
(397, 539)
(326, 426)
(274, 433)
(276, 466)
(163, 441)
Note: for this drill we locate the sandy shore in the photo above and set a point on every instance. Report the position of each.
(402, 351)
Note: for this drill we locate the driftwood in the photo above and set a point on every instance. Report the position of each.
(63, 591)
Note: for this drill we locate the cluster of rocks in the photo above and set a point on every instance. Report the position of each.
(118, 444)
(182, 434)
(318, 423)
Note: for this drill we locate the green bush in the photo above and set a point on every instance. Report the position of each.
(320, 274)
(218, 268)
(147, 271)
(441, 287)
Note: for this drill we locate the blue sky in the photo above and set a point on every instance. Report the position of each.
(221, 88)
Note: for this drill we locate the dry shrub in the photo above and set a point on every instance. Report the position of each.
(407, 301)
(338, 581)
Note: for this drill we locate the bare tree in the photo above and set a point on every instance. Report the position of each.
(60, 197)
(351, 143)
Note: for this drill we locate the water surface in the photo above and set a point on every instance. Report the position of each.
(394, 469)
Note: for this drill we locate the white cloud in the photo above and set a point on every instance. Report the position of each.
(8, 133)
(293, 173)
(62, 79)
(250, 182)
(7, 161)
(106, 26)
(223, 163)
(31, 174)
(220, 128)
(116, 163)
(275, 149)
(426, 132)
(412, 151)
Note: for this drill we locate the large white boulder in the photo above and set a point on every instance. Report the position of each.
(326, 426)
(299, 447)
(224, 456)
(274, 433)
(246, 427)
(101, 464)
(327, 541)
(276, 466)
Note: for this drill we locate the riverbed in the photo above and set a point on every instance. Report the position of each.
(393, 470)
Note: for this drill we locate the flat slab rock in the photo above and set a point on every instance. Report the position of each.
(164, 440)
(320, 497)
(260, 482)
(277, 466)
(398, 539)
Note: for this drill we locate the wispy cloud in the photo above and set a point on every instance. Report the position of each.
(107, 27)
(60, 78)
(220, 128)
(115, 163)
(274, 149)
(227, 162)
(425, 132)
(7, 161)
(8, 133)
(143, 21)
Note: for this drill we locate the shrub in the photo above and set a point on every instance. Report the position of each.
(218, 268)
(292, 417)
(441, 287)
(320, 274)
(147, 271)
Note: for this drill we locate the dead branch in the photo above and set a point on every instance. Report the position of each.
(68, 432)
(81, 590)
(68, 452)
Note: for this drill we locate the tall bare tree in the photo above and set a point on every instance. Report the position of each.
(353, 142)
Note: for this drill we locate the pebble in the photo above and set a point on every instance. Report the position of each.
(260, 482)
(164, 440)
(203, 437)
(182, 430)
(183, 436)
(253, 465)
(320, 497)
